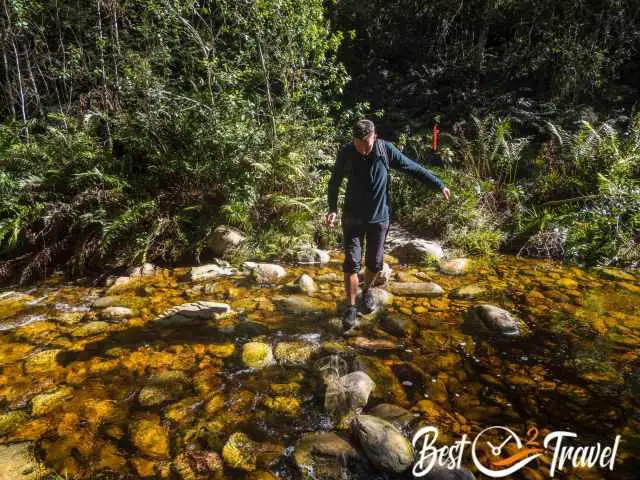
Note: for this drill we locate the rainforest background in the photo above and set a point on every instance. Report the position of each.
(130, 129)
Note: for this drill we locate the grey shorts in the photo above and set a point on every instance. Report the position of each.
(373, 234)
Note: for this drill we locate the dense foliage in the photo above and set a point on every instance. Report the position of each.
(534, 59)
(132, 128)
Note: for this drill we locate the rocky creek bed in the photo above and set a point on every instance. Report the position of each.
(213, 372)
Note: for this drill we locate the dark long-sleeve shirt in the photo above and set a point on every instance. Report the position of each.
(366, 197)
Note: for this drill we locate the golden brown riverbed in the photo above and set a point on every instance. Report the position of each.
(118, 395)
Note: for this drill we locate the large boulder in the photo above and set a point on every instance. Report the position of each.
(492, 320)
(225, 238)
(348, 395)
(417, 251)
(383, 444)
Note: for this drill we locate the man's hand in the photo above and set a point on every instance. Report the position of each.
(330, 218)
(446, 193)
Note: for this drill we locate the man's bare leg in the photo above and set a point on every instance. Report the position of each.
(369, 279)
(351, 287)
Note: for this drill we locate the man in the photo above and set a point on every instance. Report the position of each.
(366, 207)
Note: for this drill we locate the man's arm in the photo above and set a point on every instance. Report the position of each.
(400, 161)
(335, 181)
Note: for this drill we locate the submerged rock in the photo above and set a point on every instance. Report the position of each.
(294, 353)
(454, 266)
(490, 319)
(198, 465)
(415, 289)
(469, 292)
(188, 312)
(616, 274)
(285, 405)
(10, 421)
(183, 410)
(383, 444)
(91, 328)
(384, 376)
(394, 414)
(346, 396)
(328, 277)
(163, 387)
(18, 462)
(397, 325)
(303, 305)
(108, 301)
(49, 401)
(12, 303)
(116, 313)
(240, 452)
(323, 455)
(148, 436)
(257, 355)
(373, 344)
(42, 361)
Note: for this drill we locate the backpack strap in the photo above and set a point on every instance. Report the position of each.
(383, 149)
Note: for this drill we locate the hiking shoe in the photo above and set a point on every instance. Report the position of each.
(350, 317)
(368, 302)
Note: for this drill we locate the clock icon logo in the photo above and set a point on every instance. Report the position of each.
(502, 467)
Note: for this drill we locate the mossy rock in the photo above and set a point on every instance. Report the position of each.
(257, 355)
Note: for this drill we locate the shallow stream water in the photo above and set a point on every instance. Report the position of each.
(71, 376)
